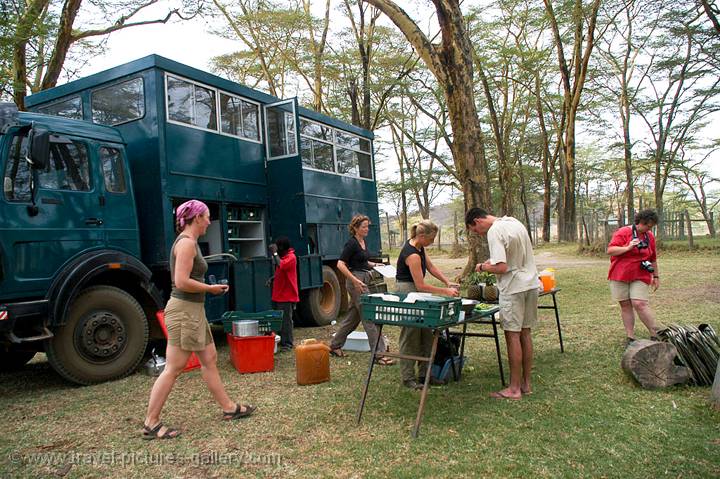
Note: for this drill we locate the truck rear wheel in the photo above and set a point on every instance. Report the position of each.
(104, 337)
(320, 306)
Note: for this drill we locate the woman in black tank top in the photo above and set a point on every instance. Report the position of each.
(413, 263)
(188, 329)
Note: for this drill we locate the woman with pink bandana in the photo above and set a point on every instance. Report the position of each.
(188, 329)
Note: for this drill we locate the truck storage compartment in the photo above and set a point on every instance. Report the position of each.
(248, 284)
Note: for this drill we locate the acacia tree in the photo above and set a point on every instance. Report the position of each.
(450, 61)
(630, 26)
(42, 39)
(697, 181)
(417, 143)
(682, 90)
(268, 32)
(573, 74)
(712, 11)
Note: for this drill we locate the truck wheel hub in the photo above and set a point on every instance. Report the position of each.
(100, 335)
(327, 297)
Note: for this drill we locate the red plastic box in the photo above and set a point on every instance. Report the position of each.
(193, 361)
(252, 354)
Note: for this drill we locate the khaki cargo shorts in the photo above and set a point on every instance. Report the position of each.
(187, 325)
(518, 311)
(623, 290)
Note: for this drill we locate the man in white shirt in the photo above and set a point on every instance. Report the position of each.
(511, 260)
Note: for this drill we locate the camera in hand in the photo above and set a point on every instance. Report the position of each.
(647, 265)
(643, 243)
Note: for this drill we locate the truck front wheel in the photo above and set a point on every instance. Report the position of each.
(104, 337)
(318, 307)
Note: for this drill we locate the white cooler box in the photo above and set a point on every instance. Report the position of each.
(357, 341)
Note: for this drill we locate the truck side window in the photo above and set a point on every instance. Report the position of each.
(118, 103)
(68, 168)
(113, 171)
(16, 180)
(191, 104)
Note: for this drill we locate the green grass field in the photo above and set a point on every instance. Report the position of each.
(586, 418)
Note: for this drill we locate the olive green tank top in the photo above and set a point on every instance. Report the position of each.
(199, 268)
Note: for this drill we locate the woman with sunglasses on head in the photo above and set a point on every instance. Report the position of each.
(412, 265)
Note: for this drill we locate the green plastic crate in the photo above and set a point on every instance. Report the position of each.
(421, 314)
(268, 321)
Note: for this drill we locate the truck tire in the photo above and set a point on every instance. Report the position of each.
(14, 360)
(104, 337)
(320, 306)
(344, 296)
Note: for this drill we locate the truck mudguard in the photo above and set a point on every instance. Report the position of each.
(79, 272)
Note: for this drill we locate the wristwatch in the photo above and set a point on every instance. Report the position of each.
(481, 266)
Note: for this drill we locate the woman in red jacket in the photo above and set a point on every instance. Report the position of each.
(633, 271)
(285, 288)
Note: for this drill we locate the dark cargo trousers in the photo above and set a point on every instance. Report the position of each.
(354, 317)
(413, 342)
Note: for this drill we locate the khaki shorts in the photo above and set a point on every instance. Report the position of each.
(622, 290)
(518, 311)
(187, 325)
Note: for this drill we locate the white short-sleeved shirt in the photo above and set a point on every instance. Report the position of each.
(509, 243)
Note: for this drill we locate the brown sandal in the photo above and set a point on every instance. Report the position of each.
(239, 413)
(154, 433)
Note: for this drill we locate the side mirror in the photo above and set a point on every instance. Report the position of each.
(39, 149)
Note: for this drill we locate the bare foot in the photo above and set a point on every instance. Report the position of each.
(526, 390)
(506, 394)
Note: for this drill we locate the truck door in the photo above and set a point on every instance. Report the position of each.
(117, 207)
(38, 241)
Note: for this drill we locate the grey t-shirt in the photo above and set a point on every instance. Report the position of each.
(509, 243)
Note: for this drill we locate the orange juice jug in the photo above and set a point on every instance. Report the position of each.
(312, 362)
(547, 277)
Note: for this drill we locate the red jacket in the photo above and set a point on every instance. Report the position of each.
(285, 287)
(626, 267)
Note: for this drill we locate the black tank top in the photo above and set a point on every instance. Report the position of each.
(403, 270)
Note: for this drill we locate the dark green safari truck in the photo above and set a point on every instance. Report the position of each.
(92, 174)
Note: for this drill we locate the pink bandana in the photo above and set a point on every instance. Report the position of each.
(189, 210)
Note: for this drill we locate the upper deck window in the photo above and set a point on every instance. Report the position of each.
(333, 150)
(119, 103)
(68, 108)
(197, 105)
(191, 104)
(239, 117)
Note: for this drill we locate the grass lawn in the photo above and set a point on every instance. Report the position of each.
(585, 418)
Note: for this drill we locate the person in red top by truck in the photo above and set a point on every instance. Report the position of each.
(633, 270)
(285, 287)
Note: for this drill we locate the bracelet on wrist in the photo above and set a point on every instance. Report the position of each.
(658, 277)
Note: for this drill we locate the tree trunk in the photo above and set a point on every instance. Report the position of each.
(715, 391)
(62, 43)
(691, 242)
(651, 363)
(20, 40)
(545, 161)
